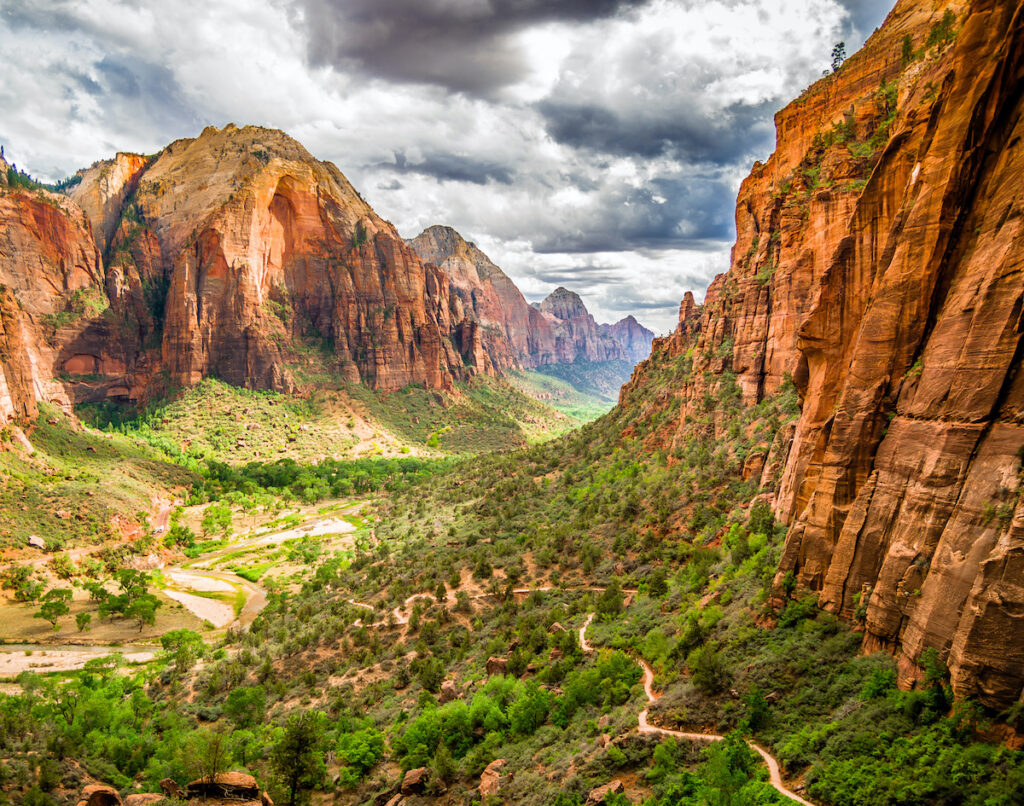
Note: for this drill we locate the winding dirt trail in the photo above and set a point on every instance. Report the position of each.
(646, 727)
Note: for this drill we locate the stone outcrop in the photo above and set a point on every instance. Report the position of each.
(490, 778)
(100, 795)
(598, 795)
(879, 263)
(558, 330)
(103, 191)
(414, 782)
(238, 255)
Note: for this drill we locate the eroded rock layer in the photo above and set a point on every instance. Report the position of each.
(880, 263)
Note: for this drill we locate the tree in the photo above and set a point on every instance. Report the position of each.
(709, 669)
(838, 56)
(143, 610)
(610, 603)
(298, 757)
(360, 752)
(55, 605)
(246, 706)
(83, 620)
(657, 582)
(217, 518)
(907, 51)
(206, 753)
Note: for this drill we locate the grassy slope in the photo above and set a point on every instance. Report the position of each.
(216, 421)
(560, 395)
(77, 480)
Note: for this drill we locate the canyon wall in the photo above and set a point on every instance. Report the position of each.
(878, 264)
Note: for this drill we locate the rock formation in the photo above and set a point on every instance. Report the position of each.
(558, 330)
(237, 254)
(51, 282)
(878, 263)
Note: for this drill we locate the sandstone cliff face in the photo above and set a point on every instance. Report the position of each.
(51, 279)
(259, 245)
(558, 330)
(514, 334)
(879, 262)
(103, 191)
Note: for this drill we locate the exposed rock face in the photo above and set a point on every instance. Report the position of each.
(260, 244)
(558, 330)
(879, 262)
(49, 270)
(103, 191)
(490, 778)
(600, 794)
(415, 781)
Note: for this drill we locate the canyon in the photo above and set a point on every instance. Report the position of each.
(236, 255)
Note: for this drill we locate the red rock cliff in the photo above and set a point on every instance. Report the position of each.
(880, 262)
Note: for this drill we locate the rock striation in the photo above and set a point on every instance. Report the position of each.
(879, 264)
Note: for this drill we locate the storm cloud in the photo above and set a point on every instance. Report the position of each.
(595, 144)
(462, 45)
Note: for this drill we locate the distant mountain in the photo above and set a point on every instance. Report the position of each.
(559, 330)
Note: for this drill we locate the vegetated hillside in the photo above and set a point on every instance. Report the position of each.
(878, 263)
(73, 486)
(472, 687)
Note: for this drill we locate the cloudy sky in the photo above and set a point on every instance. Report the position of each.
(596, 144)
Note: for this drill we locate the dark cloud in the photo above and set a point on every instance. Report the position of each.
(148, 91)
(464, 46)
(721, 137)
(452, 168)
(579, 276)
(670, 212)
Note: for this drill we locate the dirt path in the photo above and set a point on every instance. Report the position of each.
(646, 727)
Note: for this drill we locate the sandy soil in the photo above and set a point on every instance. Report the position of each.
(219, 614)
(198, 582)
(15, 661)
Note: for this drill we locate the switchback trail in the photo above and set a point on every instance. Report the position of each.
(647, 727)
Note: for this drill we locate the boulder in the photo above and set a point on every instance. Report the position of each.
(101, 795)
(490, 778)
(171, 789)
(496, 665)
(397, 800)
(36, 542)
(597, 796)
(448, 692)
(225, 786)
(415, 781)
